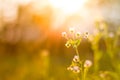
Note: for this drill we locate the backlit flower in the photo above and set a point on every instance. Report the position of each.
(76, 58)
(64, 34)
(87, 63)
(71, 30)
(76, 69)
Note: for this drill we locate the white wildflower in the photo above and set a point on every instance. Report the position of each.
(64, 34)
(76, 58)
(87, 63)
(76, 69)
(71, 30)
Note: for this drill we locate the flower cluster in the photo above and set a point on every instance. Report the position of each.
(75, 69)
(74, 38)
(75, 65)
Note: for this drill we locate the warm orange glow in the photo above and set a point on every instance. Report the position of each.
(52, 13)
(68, 6)
(23, 2)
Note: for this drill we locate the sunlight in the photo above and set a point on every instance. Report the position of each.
(68, 6)
(67, 12)
(23, 2)
(56, 12)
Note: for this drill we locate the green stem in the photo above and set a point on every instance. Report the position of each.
(77, 53)
(80, 63)
(85, 73)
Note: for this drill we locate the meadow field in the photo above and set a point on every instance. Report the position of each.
(59, 40)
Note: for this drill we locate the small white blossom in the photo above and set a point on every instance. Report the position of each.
(87, 63)
(76, 69)
(67, 45)
(70, 68)
(76, 58)
(86, 35)
(78, 34)
(71, 30)
(64, 34)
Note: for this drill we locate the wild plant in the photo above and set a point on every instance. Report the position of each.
(78, 66)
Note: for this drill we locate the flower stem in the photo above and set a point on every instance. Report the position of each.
(77, 53)
(85, 73)
(80, 64)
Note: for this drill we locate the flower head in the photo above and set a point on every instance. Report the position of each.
(64, 34)
(70, 68)
(76, 58)
(86, 35)
(87, 63)
(67, 44)
(71, 30)
(75, 69)
(78, 34)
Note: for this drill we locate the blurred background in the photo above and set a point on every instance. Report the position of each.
(31, 46)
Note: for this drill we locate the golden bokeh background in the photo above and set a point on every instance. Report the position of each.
(31, 46)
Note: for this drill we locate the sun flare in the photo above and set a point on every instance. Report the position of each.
(67, 6)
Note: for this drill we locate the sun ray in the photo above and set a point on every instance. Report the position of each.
(68, 6)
